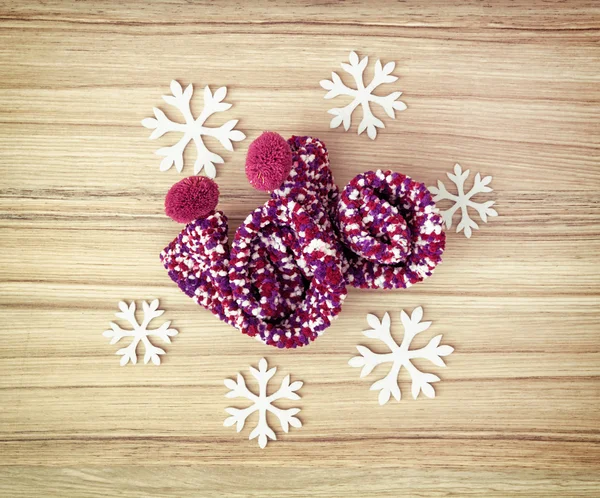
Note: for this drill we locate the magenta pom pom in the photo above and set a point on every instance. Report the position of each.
(268, 162)
(191, 198)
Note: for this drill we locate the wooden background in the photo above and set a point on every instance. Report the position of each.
(509, 89)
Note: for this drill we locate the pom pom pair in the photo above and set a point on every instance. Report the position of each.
(268, 164)
(284, 277)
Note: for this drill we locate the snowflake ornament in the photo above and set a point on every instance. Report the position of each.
(263, 403)
(463, 200)
(400, 356)
(193, 129)
(140, 332)
(363, 95)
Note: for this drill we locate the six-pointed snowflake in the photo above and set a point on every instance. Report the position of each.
(140, 332)
(263, 403)
(463, 200)
(400, 356)
(193, 129)
(363, 95)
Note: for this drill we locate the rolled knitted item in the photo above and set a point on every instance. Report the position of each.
(283, 282)
(392, 230)
(284, 279)
(285, 271)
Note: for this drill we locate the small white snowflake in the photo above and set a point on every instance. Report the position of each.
(400, 356)
(263, 403)
(463, 200)
(363, 95)
(193, 129)
(140, 332)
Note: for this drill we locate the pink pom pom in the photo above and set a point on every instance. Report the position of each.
(269, 161)
(191, 198)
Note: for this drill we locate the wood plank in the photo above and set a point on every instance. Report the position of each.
(509, 89)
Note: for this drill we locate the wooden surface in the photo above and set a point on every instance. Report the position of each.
(510, 89)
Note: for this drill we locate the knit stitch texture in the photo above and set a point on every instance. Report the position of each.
(284, 278)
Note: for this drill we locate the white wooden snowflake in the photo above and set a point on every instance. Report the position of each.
(193, 129)
(363, 95)
(400, 356)
(462, 200)
(140, 332)
(263, 403)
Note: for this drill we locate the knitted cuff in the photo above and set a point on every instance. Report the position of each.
(392, 229)
(285, 273)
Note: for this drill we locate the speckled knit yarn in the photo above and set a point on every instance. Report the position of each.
(284, 279)
(283, 282)
(285, 271)
(392, 229)
(391, 232)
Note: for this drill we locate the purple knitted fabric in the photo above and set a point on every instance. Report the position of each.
(391, 232)
(392, 229)
(284, 279)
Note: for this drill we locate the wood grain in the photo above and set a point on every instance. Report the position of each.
(509, 89)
